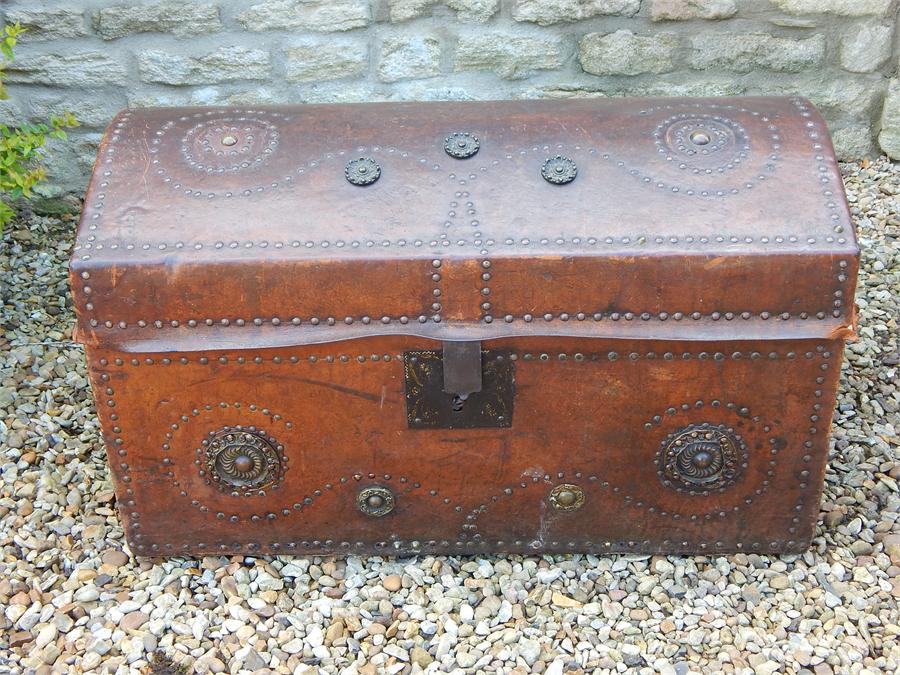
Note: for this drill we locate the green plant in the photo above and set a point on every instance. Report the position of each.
(21, 146)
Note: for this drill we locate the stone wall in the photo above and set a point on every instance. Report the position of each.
(95, 57)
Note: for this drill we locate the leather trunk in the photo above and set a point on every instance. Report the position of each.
(467, 327)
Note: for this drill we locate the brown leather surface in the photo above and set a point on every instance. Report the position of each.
(664, 289)
(757, 227)
(593, 413)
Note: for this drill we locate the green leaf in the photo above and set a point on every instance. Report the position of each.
(22, 143)
(6, 214)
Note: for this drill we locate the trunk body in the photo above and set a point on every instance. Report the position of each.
(543, 326)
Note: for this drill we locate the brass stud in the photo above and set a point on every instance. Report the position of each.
(567, 497)
(700, 138)
(375, 501)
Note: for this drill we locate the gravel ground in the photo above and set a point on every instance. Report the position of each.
(73, 599)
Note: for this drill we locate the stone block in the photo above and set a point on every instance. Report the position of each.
(889, 138)
(10, 114)
(71, 69)
(242, 97)
(225, 64)
(409, 58)
(795, 22)
(69, 163)
(836, 7)
(853, 142)
(404, 10)
(258, 96)
(866, 48)
(317, 15)
(336, 93)
(846, 97)
(422, 91)
(325, 59)
(92, 112)
(207, 96)
(624, 53)
(49, 23)
(700, 89)
(85, 148)
(142, 99)
(657, 88)
(548, 12)
(743, 53)
(564, 90)
(686, 10)
(179, 18)
(476, 11)
(510, 56)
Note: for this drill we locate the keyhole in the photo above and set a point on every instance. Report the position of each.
(458, 403)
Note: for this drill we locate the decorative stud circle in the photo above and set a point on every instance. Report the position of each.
(243, 460)
(214, 143)
(559, 170)
(567, 497)
(375, 501)
(229, 144)
(704, 144)
(362, 171)
(702, 457)
(461, 145)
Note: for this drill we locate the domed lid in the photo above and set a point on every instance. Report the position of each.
(204, 228)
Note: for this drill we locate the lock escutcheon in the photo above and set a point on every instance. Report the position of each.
(460, 387)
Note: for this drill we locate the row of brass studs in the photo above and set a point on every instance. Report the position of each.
(399, 545)
(436, 318)
(543, 357)
(815, 137)
(443, 242)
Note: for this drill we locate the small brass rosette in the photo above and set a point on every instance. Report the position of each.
(461, 145)
(362, 171)
(375, 501)
(567, 497)
(559, 170)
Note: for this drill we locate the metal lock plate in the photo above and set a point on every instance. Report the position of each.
(459, 387)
